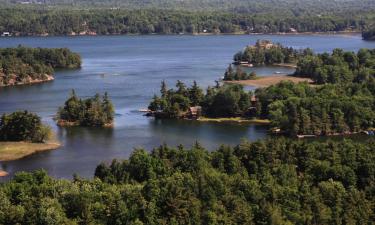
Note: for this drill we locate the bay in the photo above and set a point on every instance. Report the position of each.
(130, 69)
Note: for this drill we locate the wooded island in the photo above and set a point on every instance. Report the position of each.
(24, 65)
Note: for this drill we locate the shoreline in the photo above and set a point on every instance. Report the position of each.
(234, 119)
(30, 82)
(345, 33)
(265, 81)
(64, 123)
(10, 151)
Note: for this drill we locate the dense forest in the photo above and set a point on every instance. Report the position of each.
(218, 101)
(338, 67)
(23, 65)
(276, 181)
(265, 52)
(323, 110)
(60, 21)
(23, 126)
(92, 112)
(287, 7)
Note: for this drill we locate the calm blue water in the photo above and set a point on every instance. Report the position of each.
(130, 69)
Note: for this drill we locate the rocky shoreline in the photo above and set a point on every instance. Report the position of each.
(26, 81)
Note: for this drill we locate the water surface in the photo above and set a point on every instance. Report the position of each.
(130, 69)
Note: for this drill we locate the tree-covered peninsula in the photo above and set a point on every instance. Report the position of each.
(275, 181)
(97, 111)
(338, 67)
(301, 109)
(192, 102)
(24, 65)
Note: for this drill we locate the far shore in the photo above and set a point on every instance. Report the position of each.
(16, 150)
(344, 33)
(266, 81)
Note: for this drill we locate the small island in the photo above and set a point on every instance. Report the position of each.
(219, 102)
(96, 111)
(21, 134)
(24, 65)
(264, 52)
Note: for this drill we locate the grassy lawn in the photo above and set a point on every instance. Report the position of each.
(234, 119)
(16, 150)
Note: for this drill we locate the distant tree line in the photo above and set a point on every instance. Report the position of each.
(276, 181)
(22, 65)
(28, 21)
(23, 126)
(93, 112)
(264, 52)
(323, 110)
(219, 101)
(338, 67)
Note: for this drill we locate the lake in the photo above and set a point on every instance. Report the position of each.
(130, 69)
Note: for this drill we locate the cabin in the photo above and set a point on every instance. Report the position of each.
(195, 112)
(6, 34)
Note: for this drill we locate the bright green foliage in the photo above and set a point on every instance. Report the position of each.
(328, 109)
(23, 126)
(96, 111)
(221, 101)
(338, 67)
(278, 181)
(22, 64)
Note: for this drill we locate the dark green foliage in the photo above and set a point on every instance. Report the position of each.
(94, 112)
(369, 34)
(238, 74)
(221, 101)
(338, 67)
(23, 64)
(328, 109)
(22, 126)
(278, 181)
(67, 20)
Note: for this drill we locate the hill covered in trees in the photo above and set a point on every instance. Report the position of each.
(276, 181)
(23, 65)
(29, 21)
(92, 112)
(297, 7)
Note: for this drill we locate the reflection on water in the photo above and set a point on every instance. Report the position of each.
(130, 69)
